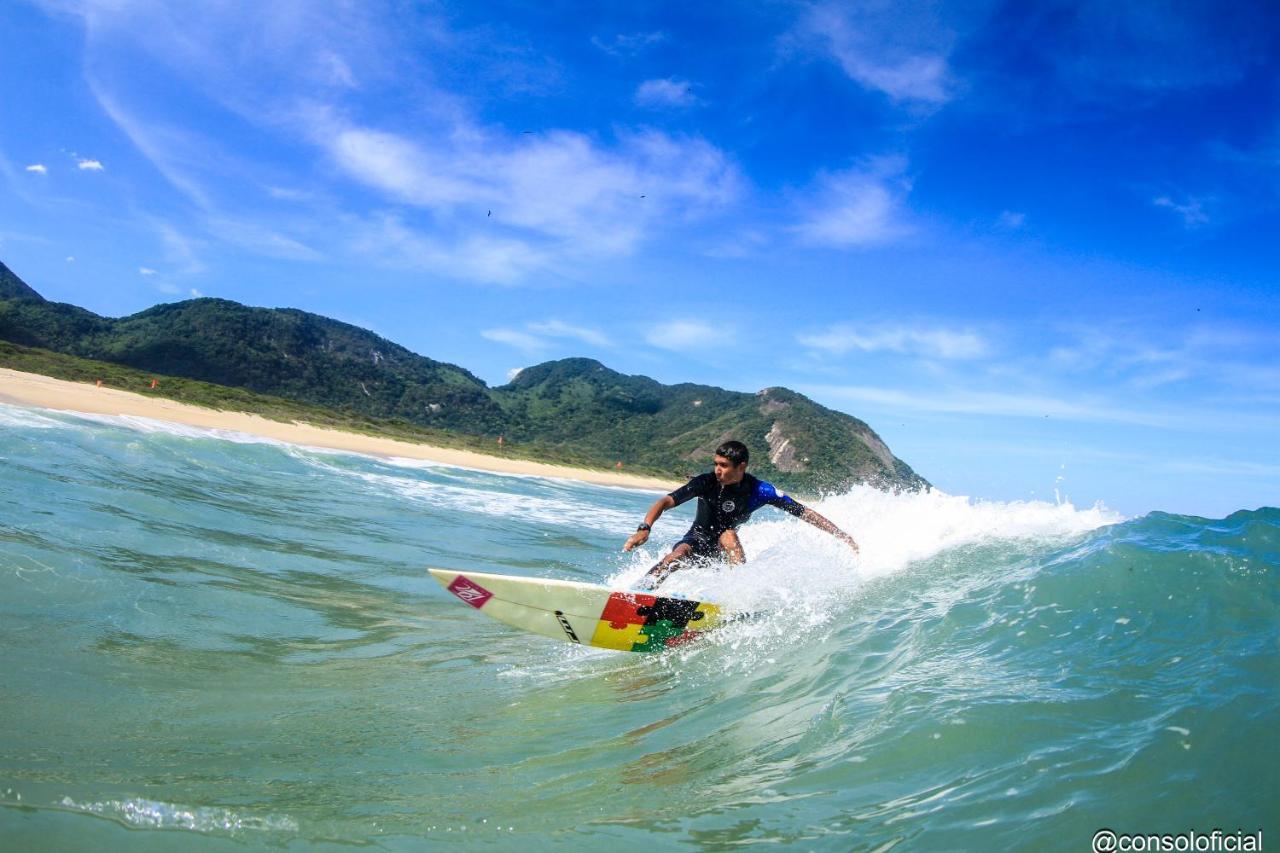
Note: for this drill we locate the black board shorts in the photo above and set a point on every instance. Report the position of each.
(704, 543)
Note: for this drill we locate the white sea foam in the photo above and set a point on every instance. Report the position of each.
(153, 814)
(475, 493)
(463, 471)
(152, 426)
(789, 560)
(19, 417)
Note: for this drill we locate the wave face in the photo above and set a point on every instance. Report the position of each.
(222, 638)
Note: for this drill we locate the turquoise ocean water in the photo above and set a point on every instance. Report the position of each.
(213, 642)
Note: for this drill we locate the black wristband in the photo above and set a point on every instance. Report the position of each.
(643, 526)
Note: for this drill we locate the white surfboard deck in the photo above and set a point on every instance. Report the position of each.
(584, 613)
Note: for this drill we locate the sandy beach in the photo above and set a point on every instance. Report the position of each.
(34, 390)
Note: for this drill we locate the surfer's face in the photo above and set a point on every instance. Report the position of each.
(727, 473)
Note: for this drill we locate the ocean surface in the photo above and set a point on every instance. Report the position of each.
(209, 641)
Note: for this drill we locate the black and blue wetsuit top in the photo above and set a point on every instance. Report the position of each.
(722, 508)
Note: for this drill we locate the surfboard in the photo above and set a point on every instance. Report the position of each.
(583, 613)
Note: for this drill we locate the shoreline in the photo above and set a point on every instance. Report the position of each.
(33, 390)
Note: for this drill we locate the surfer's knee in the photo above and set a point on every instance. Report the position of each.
(732, 547)
(680, 552)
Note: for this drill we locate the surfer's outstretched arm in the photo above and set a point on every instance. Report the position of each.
(655, 512)
(819, 521)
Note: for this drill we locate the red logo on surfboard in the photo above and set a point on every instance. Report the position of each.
(470, 591)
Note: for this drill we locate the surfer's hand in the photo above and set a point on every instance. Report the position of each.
(638, 538)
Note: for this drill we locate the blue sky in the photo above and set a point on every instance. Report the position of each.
(1034, 245)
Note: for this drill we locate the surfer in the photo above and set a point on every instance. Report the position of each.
(727, 496)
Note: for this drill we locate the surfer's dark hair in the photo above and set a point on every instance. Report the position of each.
(734, 451)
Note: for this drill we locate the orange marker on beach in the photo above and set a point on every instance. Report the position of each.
(99, 383)
(155, 382)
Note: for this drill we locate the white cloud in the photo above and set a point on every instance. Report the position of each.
(499, 205)
(558, 329)
(1013, 220)
(1221, 356)
(535, 336)
(176, 154)
(146, 271)
(195, 294)
(665, 92)
(629, 44)
(513, 373)
(38, 168)
(180, 250)
(90, 166)
(557, 195)
(289, 194)
(261, 240)
(484, 258)
(1081, 407)
(681, 335)
(936, 343)
(515, 338)
(332, 69)
(71, 259)
(855, 208)
(999, 404)
(1191, 210)
(891, 48)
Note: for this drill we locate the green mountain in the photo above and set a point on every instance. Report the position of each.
(574, 405)
(794, 441)
(12, 287)
(283, 352)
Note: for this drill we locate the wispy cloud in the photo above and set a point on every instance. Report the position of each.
(629, 44)
(146, 271)
(560, 329)
(171, 151)
(559, 194)
(1191, 210)
(1012, 220)
(682, 335)
(541, 336)
(38, 168)
(515, 338)
(1218, 355)
(492, 203)
(896, 49)
(261, 240)
(180, 250)
(856, 208)
(924, 342)
(475, 257)
(665, 92)
(999, 404)
(87, 165)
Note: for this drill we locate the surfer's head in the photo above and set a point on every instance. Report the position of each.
(731, 462)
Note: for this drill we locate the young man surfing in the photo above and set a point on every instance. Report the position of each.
(726, 498)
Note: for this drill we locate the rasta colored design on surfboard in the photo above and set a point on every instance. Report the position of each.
(583, 613)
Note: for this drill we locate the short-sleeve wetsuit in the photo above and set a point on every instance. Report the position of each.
(722, 508)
